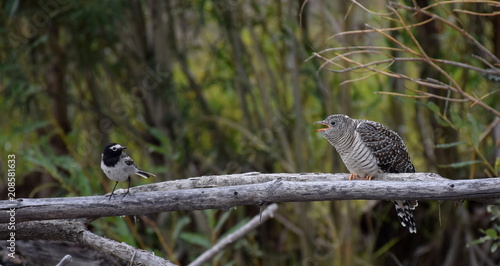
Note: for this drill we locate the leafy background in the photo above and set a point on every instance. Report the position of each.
(216, 87)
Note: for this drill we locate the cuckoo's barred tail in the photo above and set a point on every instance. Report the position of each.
(404, 209)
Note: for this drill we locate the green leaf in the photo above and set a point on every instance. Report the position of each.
(196, 239)
(497, 165)
(179, 225)
(222, 220)
(495, 214)
(491, 233)
(437, 114)
(211, 217)
(478, 241)
(434, 108)
(494, 247)
(27, 128)
(385, 248)
(449, 145)
(455, 118)
(474, 126)
(460, 164)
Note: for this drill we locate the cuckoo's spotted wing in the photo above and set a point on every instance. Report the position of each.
(387, 146)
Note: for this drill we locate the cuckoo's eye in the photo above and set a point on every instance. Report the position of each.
(332, 123)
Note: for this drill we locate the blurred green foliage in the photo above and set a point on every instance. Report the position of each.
(215, 87)
(491, 235)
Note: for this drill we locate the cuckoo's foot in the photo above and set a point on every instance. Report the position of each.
(355, 176)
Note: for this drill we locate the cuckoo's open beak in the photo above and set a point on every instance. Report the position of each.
(322, 123)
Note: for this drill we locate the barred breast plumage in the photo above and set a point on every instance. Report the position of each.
(369, 148)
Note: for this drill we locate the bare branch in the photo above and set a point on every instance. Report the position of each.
(494, 13)
(122, 250)
(378, 30)
(492, 3)
(257, 178)
(76, 231)
(369, 11)
(421, 94)
(278, 190)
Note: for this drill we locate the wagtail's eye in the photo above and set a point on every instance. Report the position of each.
(114, 148)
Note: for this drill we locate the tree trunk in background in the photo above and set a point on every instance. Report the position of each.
(428, 35)
(293, 60)
(495, 21)
(396, 118)
(57, 90)
(148, 43)
(240, 59)
(347, 40)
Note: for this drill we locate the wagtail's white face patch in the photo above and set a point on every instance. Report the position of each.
(116, 147)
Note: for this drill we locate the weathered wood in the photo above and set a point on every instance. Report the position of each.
(256, 178)
(124, 251)
(76, 231)
(279, 190)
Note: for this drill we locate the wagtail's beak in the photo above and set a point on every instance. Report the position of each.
(123, 147)
(322, 123)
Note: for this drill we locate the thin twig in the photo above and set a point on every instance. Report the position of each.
(369, 11)
(231, 238)
(65, 260)
(476, 13)
(373, 30)
(488, 129)
(453, 26)
(354, 48)
(421, 54)
(426, 82)
(440, 3)
(491, 71)
(421, 95)
(394, 40)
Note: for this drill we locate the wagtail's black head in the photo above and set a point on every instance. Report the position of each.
(113, 149)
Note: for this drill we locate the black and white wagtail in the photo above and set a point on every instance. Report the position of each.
(118, 166)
